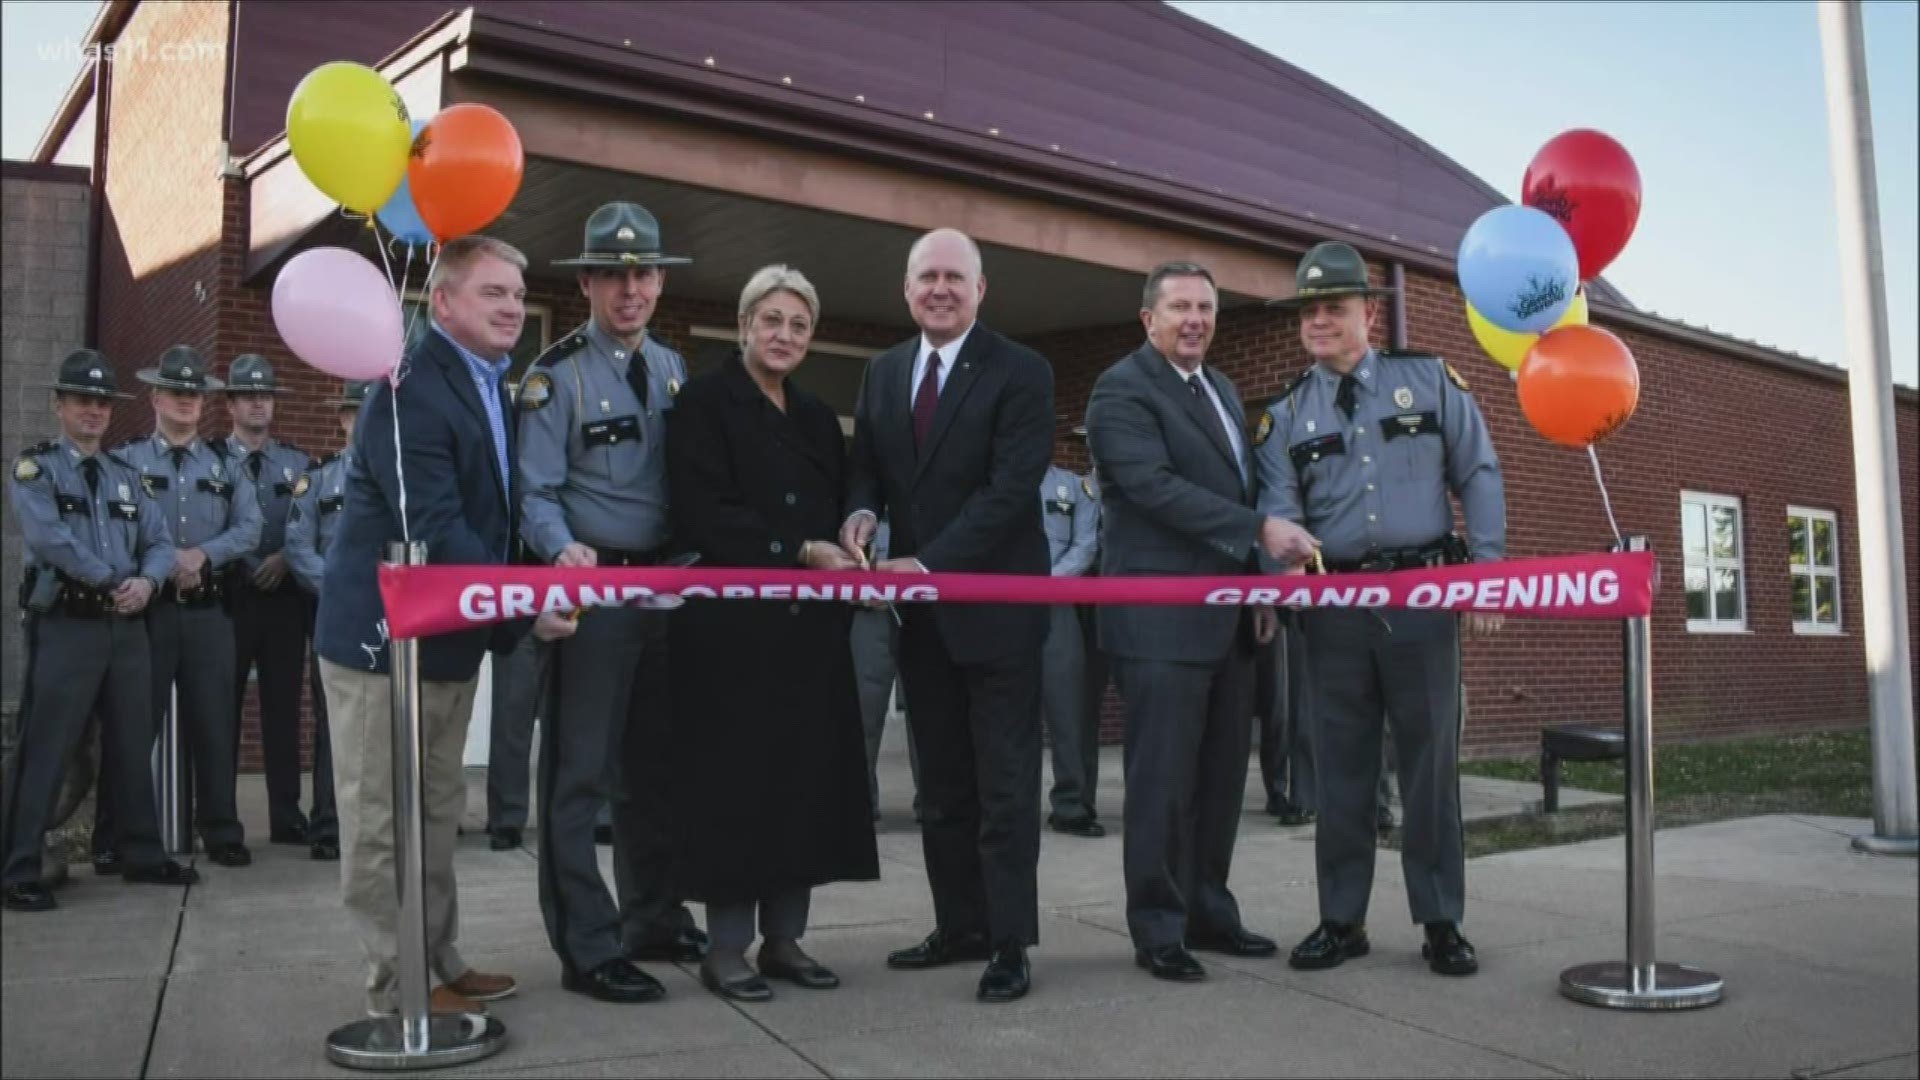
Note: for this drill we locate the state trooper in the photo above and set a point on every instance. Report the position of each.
(272, 615)
(96, 554)
(1363, 450)
(593, 415)
(318, 499)
(1099, 670)
(1071, 518)
(213, 521)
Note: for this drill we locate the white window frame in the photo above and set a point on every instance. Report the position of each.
(1710, 501)
(1815, 570)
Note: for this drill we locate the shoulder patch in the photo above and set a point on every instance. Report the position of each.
(1086, 485)
(1455, 377)
(535, 390)
(26, 468)
(300, 486)
(1264, 430)
(673, 387)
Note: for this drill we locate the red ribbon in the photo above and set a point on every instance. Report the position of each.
(426, 600)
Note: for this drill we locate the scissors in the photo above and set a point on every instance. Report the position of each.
(866, 563)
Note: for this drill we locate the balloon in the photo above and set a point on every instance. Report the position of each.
(336, 311)
(400, 216)
(1590, 185)
(1518, 268)
(1507, 348)
(1578, 385)
(465, 169)
(349, 134)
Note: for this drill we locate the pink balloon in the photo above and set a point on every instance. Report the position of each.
(336, 311)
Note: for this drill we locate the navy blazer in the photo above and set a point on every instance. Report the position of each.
(456, 503)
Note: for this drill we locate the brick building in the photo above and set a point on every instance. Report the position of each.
(1081, 144)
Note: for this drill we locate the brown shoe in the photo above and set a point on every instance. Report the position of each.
(480, 986)
(443, 1002)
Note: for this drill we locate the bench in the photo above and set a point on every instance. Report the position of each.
(1574, 742)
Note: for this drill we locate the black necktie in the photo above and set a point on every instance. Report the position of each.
(253, 464)
(926, 400)
(1343, 399)
(179, 454)
(1206, 406)
(637, 376)
(91, 467)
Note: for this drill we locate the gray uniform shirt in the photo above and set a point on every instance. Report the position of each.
(593, 464)
(1380, 480)
(281, 466)
(314, 518)
(1072, 521)
(99, 537)
(207, 501)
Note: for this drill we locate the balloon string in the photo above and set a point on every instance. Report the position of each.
(1593, 456)
(399, 374)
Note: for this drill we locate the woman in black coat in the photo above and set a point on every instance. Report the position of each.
(767, 756)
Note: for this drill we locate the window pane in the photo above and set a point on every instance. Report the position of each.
(1823, 553)
(1726, 594)
(1697, 605)
(1797, 540)
(1693, 530)
(1726, 532)
(1802, 598)
(1826, 600)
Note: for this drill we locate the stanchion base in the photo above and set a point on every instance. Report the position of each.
(1874, 844)
(1609, 984)
(375, 1043)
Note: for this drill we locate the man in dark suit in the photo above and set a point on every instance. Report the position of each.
(1167, 434)
(454, 463)
(952, 433)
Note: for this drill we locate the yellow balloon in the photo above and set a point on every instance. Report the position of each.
(1508, 348)
(350, 134)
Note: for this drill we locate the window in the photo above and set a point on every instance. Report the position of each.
(535, 335)
(1813, 555)
(1715, 568)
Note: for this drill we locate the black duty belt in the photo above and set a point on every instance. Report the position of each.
(605, 556)
(210, 593)
(1441, 552)
(84, 602)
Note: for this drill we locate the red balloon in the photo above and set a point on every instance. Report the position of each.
(1589, 183)
(1578, 384)
(465, 169)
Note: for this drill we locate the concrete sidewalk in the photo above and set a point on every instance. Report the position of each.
(245, 973)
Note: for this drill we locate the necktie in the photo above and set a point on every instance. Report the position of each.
(637, 375)
(926, 400)
(179, 455)
(253, 464)
(1214, 424)
(91, 467)
(1343, 398)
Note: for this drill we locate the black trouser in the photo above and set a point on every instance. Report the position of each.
(519, 696)
(192, 649)
(324, 822)
(270, 631)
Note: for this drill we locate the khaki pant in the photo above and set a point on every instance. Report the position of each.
(360, 711)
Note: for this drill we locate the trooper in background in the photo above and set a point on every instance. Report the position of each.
(96, 554)
(1072, 521)
(272, 615)
(876, 668)
(520, 699)
(1098, 667)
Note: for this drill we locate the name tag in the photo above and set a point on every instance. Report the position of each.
(154, 483)
(1060, 507)
(1306, 453)
(283, 490)
(1413, 423)
(328, 506)
(70, 504)
(222, 488)
(619, 429)
(125, 511)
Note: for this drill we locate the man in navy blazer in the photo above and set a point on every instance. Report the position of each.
(455, 465)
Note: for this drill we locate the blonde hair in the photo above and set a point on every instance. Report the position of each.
(777, 278)
(459, 255)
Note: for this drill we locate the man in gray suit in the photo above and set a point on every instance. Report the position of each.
(1167, 435)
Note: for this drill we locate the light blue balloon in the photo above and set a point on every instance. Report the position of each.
(400, 216)
(1519, 269)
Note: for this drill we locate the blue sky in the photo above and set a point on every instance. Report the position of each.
(1722, 105)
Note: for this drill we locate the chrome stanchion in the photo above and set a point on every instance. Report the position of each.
(176, 828)
(1640, 982)
(413, 1039)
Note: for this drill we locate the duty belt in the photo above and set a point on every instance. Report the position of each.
(605, 556)
(210, 593)
(84, 602)
(1447, 549)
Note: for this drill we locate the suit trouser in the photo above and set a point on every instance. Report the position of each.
(360, 706)
(192, 650)
(75, 666)
(1076, 743)
(1370, 669)
(1186, 762)
(875, 642)
(270, 630)
(519, 696)
(1282, 699)
(978, 731)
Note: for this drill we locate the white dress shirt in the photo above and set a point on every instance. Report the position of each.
(948, 354)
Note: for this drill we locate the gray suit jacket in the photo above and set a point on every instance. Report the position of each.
(1172, 503)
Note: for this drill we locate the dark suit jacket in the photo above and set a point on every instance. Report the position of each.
(456, 503)
(964, 503)
(1172, 503)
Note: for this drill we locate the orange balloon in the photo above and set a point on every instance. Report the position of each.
(464, 170)
(1578, 384)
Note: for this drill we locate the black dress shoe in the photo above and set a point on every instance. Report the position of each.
(295, 833)
(1383, 821)
(29, 896)
(1170, 962)
(1446, 952)
(324, 849)
(1238, 941)
(1293, 817)
(107, 862)
(164, 872)
(617, 981)
(1085, 826)
(689, 946)
(1330, 945)
(941, 948)
(734, 978)
(1007, 977)
(603, 835)
(786, 961)
(504, 838)
(230, 854)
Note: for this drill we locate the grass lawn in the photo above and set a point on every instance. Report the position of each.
(1829, 773)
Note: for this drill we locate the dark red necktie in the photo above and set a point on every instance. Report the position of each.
(926, 400)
